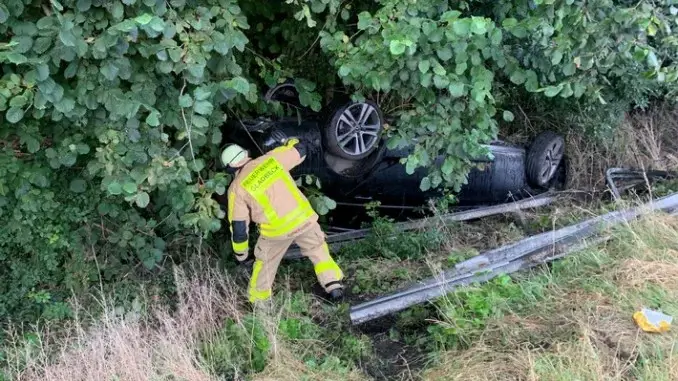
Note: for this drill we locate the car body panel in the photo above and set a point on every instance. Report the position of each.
(381, 176)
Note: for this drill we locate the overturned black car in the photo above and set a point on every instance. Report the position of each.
(347, 154)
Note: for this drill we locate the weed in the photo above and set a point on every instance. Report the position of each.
(464, 313)
(237, 347)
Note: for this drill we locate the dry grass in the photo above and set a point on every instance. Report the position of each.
(582, 329)
(158, 344)
(289, 367)
(134, 347)
(636, 273)
(643, 141)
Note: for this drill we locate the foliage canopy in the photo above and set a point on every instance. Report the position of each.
(112, 110)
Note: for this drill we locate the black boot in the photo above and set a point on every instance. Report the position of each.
(337, 294)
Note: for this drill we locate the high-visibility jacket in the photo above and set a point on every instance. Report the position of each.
(264, 192)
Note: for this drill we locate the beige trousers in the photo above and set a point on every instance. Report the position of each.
(269, 252)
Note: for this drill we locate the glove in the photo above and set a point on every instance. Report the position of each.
(291, 142)
(245, 268)
(279, 137)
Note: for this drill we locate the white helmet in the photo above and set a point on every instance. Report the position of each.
(233, 154)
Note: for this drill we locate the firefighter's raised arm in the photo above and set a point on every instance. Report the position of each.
(291, 153)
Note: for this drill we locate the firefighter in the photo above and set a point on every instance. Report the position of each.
(263, 191)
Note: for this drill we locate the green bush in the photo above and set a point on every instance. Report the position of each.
(112, 110)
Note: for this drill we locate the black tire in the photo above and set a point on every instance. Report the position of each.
(335, 126)
(543, 158)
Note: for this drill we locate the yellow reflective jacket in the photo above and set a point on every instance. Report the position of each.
(263, 191)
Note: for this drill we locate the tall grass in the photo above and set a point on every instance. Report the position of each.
(580, 326)
(208, 335)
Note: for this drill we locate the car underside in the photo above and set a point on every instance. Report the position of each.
(348, 156)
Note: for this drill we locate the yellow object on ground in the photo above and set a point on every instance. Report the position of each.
(652, 321)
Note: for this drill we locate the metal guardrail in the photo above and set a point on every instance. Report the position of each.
(621, 179)
(336, 241)
(523, 254)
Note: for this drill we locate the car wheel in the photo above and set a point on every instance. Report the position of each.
(354, 130)
(543, 158)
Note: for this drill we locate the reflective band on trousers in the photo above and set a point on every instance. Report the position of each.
(328, 265)
(256, 295)
(256, 184)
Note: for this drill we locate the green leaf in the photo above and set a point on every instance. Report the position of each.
(78, 186)
(152, 119)
(532, 82)
(203, 107)
(552, 91)
(157, 24)
(67, 37)
(428, 27)
(117, 10)
(425, 184)
(364, 20)
(456, 89)
(556, 57)
(33, 145)
(438, 69)
(19, 101)
(239, 84)
(143, 19)
(129, 187)
(478, 25)
(84, 5)
(43, 71)
(411, 165)
(569, 69)
(450, 15)
(4, 14)
(425, 79)
(331, 204)
(579, 89)
(22, 44)
(448, 166)
(397, 47)
(110, 71)
(424, 65)
(518, 77)
(200, 122)
(142, 199)
(344, 71)
(114, 188)
(652, 60)
(496, 37)
(508, 116)
(440, 81)
(57, 5)
(185, 101)
(460, 68)
(65, 105)
(444, 53)
(14, 115)
(567, 91)
(42, 44)
(16, 58)
(462, 27)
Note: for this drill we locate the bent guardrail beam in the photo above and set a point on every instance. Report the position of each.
(523, 254)
(336, 241)
(632, 177)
